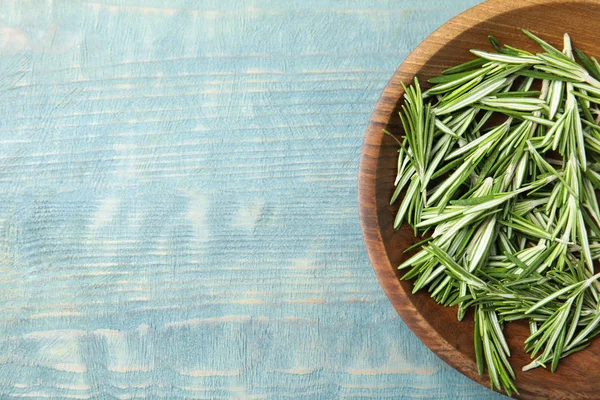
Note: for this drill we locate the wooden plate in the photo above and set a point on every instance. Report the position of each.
(578, 376)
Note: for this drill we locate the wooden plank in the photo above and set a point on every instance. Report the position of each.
(178, 212)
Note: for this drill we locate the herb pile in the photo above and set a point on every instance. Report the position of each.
(499, 165)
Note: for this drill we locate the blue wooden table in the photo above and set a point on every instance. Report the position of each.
(178, 201)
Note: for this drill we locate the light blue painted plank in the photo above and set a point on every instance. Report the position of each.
(178, 212)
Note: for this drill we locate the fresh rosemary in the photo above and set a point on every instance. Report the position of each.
(499, 164)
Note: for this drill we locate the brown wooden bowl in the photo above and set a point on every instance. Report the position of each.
(578, 376)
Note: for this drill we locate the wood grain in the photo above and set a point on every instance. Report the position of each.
(436, 326)
(178, 201)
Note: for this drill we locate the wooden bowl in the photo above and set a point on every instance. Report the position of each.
(578, 376)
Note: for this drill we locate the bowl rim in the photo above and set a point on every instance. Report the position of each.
(367, 179)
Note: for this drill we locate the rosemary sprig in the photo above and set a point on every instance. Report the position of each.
(503, 177)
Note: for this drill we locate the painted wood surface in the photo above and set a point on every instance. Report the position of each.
(178, 202)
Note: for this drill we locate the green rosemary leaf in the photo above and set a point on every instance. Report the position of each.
(587, 63)
(449, 82)
(500, 110)
(575, 321)
(410, 197)
(539, 120)
(452, 77)
(446, 168)
(418, 244)
(478, 344)
(479, 249)
(586, 97)
(524, 93)
(461, 77)
(506, 59)
(582, 237)
(514, 103)
(544, 76)
(472, 96)
(585, 108)
(545, 45)
(564, 64)
(571, 74)
(464, 67)
(495, 44)
(587, 88)
(440, 217)
(555, 95)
